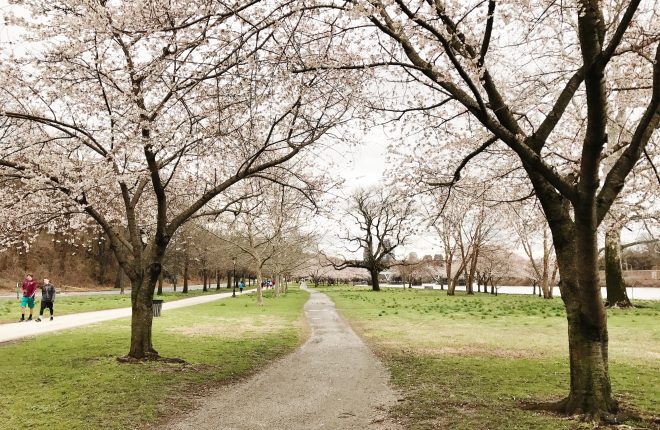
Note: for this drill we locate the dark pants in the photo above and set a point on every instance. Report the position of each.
(46, 305)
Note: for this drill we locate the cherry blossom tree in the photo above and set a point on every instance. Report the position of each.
(270, 227)
(538, 77)
(141, 116)
(533, 234)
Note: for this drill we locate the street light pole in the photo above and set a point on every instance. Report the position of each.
(233, 284)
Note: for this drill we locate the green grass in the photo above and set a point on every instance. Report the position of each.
(466, 362)
(10, 309)
(73, 381)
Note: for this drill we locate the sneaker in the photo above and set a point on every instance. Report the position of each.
(21, 320)
(38, 320)
(30, 318)
(51, 318)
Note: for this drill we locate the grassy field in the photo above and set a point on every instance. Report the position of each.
(72, 380)
(468, 362)
(10, 308)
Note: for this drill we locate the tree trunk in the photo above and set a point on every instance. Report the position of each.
(217, 279)
(259, 293)
(533, 288)
(451, 286)
(375, 286)
(205, 279)
(229, 279)
(547, 289)
(119, 281)
(101, 259)
(468, 284)
(186, 264)
(577, 257)
(142, 313)
(615, 285)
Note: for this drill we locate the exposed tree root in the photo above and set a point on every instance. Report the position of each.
(151, 357)
(615, 417)
(621, 304)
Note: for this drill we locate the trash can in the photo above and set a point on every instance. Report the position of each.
(157, 306)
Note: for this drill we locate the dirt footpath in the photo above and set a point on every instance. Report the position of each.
(332, 382)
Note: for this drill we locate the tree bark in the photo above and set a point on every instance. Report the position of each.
(614, 283)
(101, 259)
(451, 286)
(217, 279)
(205, 279)
(375, 286)
(259, 292)
(142, 290)
(186, 264)
(577, 255)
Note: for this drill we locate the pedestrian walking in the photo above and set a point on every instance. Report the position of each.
(241, 285)
(29, 291)
(47, 299)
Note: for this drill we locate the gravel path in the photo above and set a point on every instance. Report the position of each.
(332, 382)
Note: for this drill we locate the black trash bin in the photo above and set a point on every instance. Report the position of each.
(157, 306)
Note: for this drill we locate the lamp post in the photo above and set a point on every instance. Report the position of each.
(233, 284)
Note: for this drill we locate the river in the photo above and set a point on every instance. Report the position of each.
(634, 293)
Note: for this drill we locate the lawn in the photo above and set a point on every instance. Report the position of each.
(469, 362)
(72, 380)
(10, 309)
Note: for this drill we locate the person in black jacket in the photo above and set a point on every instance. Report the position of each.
(47, 299)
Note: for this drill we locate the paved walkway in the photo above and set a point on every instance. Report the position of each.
(332, 382)
(13, 331)
(113, 292)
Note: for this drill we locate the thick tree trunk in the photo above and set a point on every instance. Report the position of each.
(615, 285)
(375, 286)
(217, 279)
(577, 254)
(141, 319)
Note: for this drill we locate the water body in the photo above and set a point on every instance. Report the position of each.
(634, 293)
